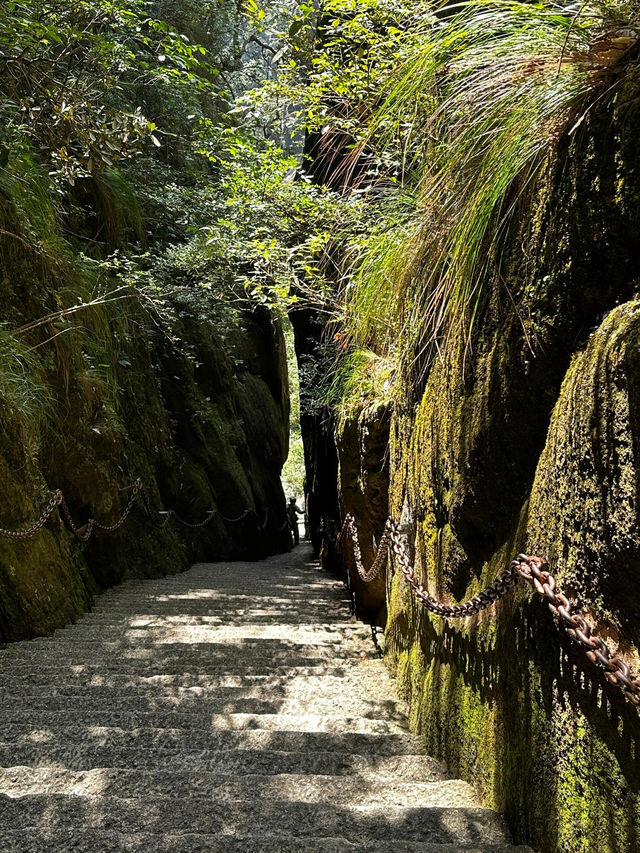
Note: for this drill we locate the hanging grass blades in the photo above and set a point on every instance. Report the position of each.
(501, 83)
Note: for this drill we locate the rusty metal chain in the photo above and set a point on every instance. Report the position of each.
(84, 533)
(26, 533)
(497, 590)
(154, 513)
(532, 569)
(171, 513)
(238, 517)
(535, 571)
(167, 514)
(351, 527)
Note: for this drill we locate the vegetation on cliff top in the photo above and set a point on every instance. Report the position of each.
(365, 157)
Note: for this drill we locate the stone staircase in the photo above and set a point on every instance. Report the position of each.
(232, 708)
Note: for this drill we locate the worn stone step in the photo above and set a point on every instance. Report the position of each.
(112, 716)
(199, 635)
(199, 603)
(126, 701)
(275, 818)
(147, 662)
(142, 619)
(163, 591)
(295, 699)
(189, 655)
(202, 602)
(247, 790)
(211, 630)
(99, 841)
(88, 673)
(149, 668)
(187, 703)
(229, 762)
(196, 700)
(374, 748)
(64, 680)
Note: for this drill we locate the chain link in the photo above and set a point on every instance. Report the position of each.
(17, 535)
(535, 571)
(84, 532)
(497, 590)
(532, 569)
(351, 527)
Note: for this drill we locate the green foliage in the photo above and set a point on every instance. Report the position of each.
(293, 473)
(157, 147)
(440, 126)
(272, 224)
(121, 167)
(23, 388)
(361, 379)
(118, 208)
(501, 82)
(28, 211)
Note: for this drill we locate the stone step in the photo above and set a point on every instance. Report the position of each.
(139, 618)
(192, 607)
(148, 668)
(250, 653)
(230, 762)
(215, 635)
(313, 692)
(252, 595)
(246, 630)
(65, 681)
(291, 699)
(248, 790)
(275, 818)
(100, 841)
(186, 703)
(392, 749)
(199, 662)
(86, 673)
(112, 716)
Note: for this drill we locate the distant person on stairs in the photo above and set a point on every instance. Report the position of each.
(293, 511)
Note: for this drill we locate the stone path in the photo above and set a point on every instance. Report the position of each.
(232, 708)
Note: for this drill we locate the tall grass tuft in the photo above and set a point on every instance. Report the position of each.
(500, 82)
(118, 209)
(27, 212)
(23, 388)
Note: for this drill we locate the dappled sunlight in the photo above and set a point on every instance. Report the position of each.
(168, 719)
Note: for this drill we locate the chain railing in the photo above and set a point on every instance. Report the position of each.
(160, 517)
(27, 532)
(533, 569)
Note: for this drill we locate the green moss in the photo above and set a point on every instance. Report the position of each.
(530, 442)
(505, 699)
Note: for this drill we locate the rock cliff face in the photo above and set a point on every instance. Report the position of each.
(530, 443)
(202, 418)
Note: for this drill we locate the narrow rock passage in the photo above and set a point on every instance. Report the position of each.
(235, 707)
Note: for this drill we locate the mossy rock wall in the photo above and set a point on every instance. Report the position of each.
(202, 419)
(364, 489)
(529, 441)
